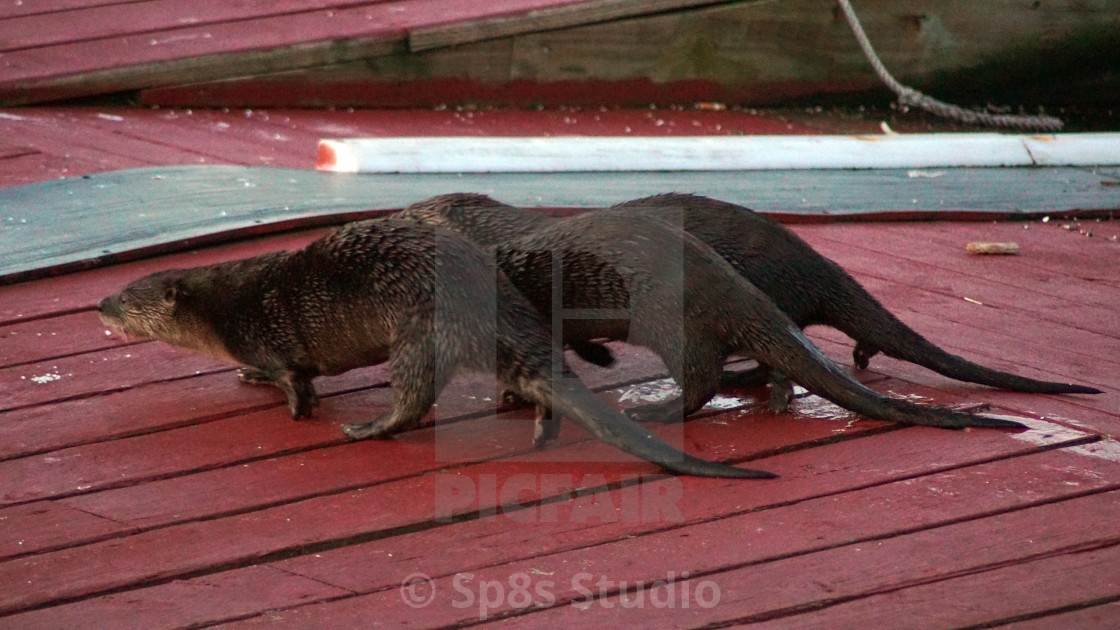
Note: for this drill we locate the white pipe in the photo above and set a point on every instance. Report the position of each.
(713, 153)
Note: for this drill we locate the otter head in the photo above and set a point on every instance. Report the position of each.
(160, 306)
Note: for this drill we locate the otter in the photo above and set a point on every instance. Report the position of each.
(423, 299)
(623, 267)
(810, 288)
(814, 290)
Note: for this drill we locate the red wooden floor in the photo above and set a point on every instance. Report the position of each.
(42, 143)
(144, 487)
(59, 49)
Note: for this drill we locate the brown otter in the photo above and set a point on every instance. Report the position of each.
(808, 287)
(424, 299)
(814, 290)
(691, 308)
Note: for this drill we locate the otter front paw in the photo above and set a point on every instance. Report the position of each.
(254, 376)
(511, 400)
(781, 394)
(546, 428)
(303, 407)
(302, 399)
(364, 430)
(862, 355)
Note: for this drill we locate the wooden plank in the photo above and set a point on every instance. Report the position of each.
(1071, 579)
(594, 154)
(362, 568)
(32, 528)
(199, 447)
(1047, 265)
(220, 50)
(115, 415)
(1095, 150)
(799, 528)
(549, 15)
(753, 53)
(43, 7)
(964, 278)
(1050, 250)
(1102, 616)
(42, 340)
(743, 50)
(448, 121)
(148, 17)
(83, 465)
(921, 293)
(207, 67)
(385, 24)
(182, 202)
(259, 588)
(694, 46)
(261, 483)
(210, 137)
(364, 84)
(854, 571)
(77, 377)
(925, 302)
(39, 167)
(61, 132)
(182, 550)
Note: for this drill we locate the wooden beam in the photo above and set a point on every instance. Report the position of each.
(545, 19)
(196, 69)
(713, 153)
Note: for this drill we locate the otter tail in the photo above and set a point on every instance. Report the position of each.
(804, 363)
(877, 330)
(574, 401)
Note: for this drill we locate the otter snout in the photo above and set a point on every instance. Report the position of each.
(108, 310)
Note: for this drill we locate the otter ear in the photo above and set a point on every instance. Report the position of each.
(172, 291)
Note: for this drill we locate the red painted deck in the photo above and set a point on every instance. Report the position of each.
(411, 53)
(144, 487)
(60, 49)
(42, 143)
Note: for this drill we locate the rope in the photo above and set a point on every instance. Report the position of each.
(914, 98)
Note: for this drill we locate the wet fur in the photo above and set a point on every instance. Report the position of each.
(612, 260)
(421, 298)
(814, 290)
(808, 287)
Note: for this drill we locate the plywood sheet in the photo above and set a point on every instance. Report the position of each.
(122, 213)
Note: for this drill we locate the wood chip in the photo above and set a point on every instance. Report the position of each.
(993, 248)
